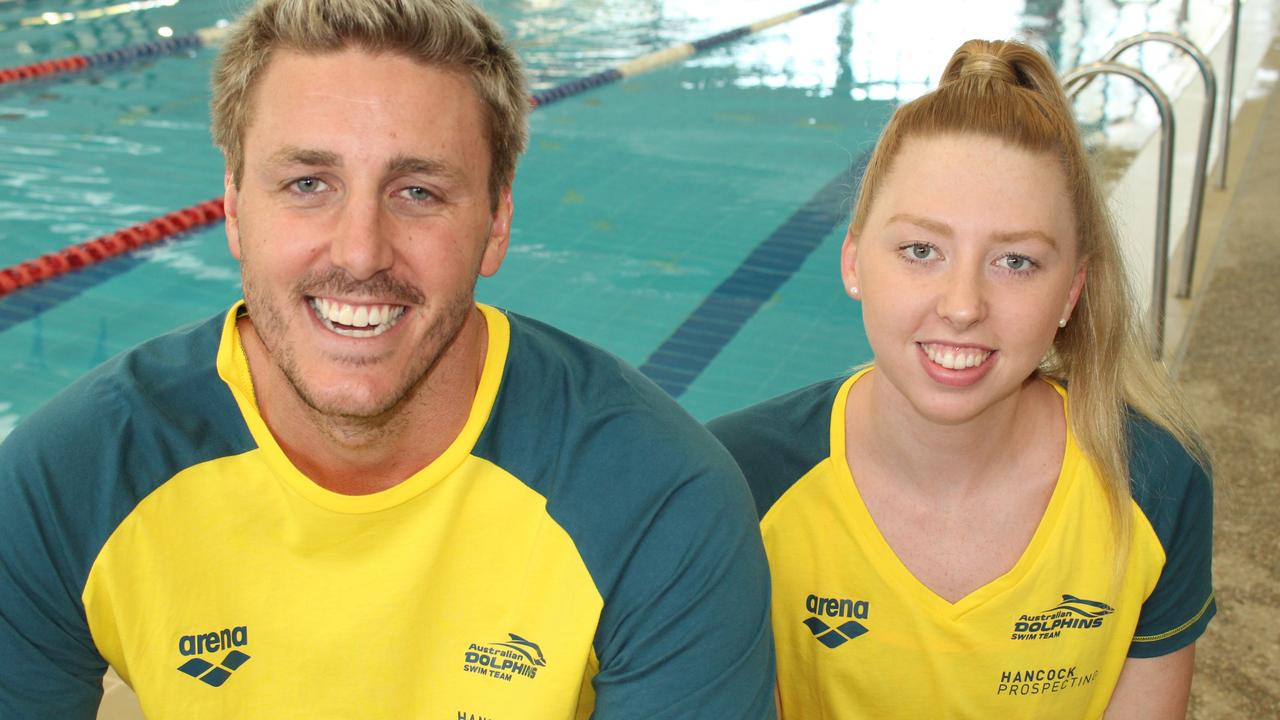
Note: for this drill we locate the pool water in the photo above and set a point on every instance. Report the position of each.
(688, 220)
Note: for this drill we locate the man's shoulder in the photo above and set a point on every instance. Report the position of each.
(128, 425)
(585, 396)
(777, 441)
(156, 386)
(77, 466)
(605, 446)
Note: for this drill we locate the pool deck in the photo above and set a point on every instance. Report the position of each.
(1228, 368)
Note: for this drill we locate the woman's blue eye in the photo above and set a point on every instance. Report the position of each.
(920, 251)
(1016, 262)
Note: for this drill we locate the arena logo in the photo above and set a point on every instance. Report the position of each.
(214, 675)
(834, 637)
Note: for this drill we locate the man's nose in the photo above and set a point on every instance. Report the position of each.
(362, 243)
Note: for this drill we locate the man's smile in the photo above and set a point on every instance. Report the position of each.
(355, 320)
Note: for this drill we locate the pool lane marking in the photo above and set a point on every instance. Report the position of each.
(696, 342)
(21, 307)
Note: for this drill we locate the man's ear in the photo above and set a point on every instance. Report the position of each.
(495, 247)
(229, 197)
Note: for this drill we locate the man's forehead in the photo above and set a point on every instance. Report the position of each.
(322, 109)
(362, 79)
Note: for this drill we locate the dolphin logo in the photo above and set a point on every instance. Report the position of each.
(1082, 607)
(526, 648)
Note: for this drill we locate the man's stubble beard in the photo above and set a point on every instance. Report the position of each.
(345, 425)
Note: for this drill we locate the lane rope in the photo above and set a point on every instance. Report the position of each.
(118, 57)
(667, 56)
(94, 251)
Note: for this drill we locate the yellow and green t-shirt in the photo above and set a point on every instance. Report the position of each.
(859, 636)
(582, 546)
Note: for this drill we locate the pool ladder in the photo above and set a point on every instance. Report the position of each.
(1076, 80)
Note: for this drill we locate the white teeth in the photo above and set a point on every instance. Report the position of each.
(953, 358)
(364, 320)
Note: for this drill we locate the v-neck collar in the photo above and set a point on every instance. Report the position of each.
(886, 561)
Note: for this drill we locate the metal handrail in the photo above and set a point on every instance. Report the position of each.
(1224, 130)
(1183, 289)
(1160, 270)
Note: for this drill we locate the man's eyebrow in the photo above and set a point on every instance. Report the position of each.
(410, 165)
(945, 230)
(399, 165)
(292, 155)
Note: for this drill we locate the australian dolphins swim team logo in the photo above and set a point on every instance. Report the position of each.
(506, 659)
(1073, 613)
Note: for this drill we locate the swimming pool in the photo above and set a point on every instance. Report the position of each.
(688, 219)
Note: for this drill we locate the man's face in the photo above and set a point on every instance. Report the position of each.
(362, 220)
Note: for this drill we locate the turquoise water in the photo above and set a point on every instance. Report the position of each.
(634, 203)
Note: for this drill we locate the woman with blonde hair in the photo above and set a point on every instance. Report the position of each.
(1008, 514)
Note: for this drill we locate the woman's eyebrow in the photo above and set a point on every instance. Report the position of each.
(943, 229)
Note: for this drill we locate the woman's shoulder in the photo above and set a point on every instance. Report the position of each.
(777, 441)
(1166, 480)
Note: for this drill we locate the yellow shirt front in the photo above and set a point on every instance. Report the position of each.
(859, 636)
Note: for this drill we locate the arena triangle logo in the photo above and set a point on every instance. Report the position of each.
(834, 637)
(214, 675)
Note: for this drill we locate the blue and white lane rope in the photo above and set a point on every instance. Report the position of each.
(670, 55)
(119, 56)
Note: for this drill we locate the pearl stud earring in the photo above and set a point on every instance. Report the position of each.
(1062, 323)
(853, 290)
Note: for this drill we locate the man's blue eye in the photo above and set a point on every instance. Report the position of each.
(418, 193)
(307, 185)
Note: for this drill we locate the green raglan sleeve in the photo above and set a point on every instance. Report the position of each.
(1176, 495)
(662, 519)
(69, 474)
(685, 630)
(49, 666)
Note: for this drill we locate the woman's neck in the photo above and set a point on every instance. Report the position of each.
(948, 460)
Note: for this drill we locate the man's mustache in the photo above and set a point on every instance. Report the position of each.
(382, 287)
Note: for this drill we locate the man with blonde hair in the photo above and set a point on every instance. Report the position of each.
(359, 493)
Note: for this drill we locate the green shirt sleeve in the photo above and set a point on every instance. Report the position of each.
(663, 522)
(1176, 495)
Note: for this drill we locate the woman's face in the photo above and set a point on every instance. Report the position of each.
(966, 263)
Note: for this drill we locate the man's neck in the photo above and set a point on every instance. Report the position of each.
(362, 456)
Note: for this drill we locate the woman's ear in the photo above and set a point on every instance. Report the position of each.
(1077, 286)
(849, 265)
